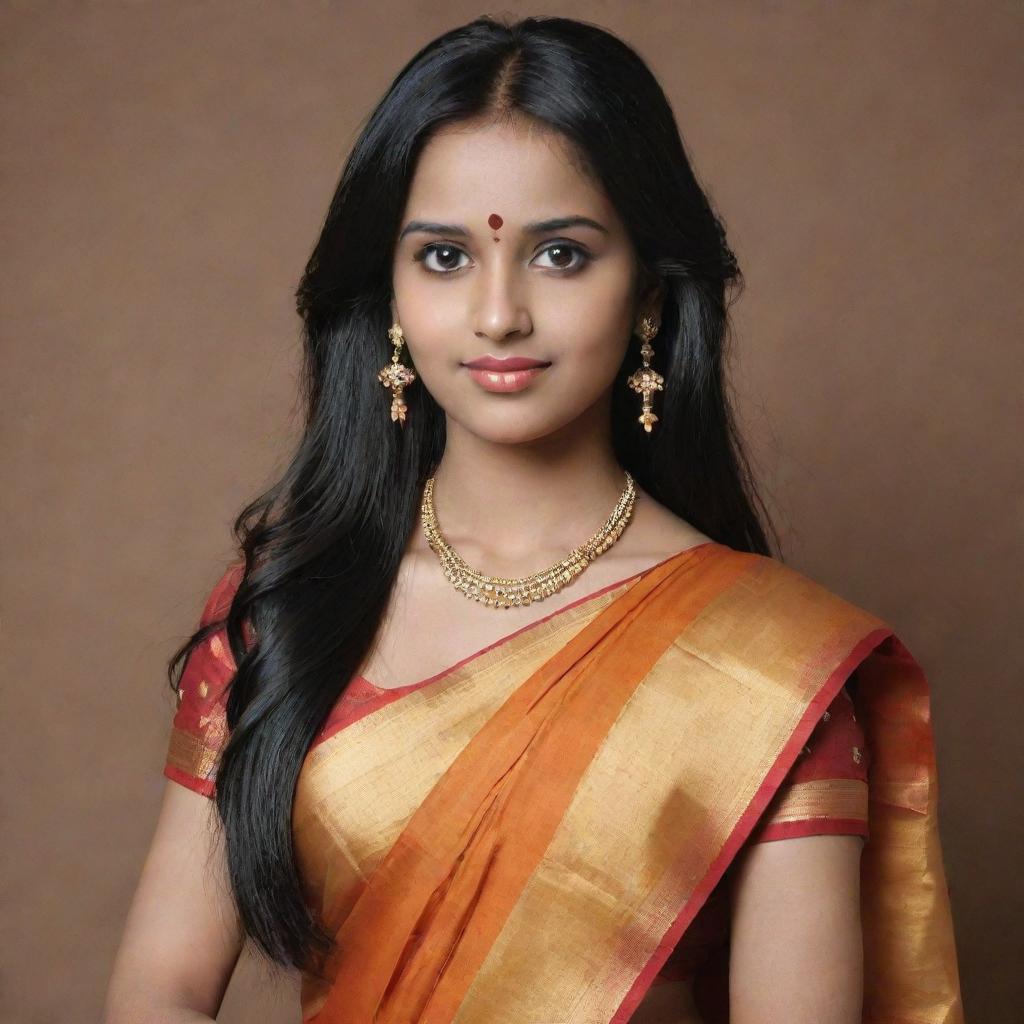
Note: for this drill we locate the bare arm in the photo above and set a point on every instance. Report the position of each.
(181, 939)
(796, 933)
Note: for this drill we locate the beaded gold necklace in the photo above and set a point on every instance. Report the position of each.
(501, 592)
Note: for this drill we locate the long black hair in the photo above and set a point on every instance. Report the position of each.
(322, 546)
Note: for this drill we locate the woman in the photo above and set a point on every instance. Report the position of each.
(507, 711)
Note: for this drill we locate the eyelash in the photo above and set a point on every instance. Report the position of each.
(583, 257)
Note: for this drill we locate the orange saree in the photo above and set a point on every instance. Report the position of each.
(527, 837)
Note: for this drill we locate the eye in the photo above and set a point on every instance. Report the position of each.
(563, 248)
(445, 251)
(448, 254)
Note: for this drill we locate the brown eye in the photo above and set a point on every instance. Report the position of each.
(447, 254)
(568, 256)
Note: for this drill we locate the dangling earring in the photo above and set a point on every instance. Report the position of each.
(396, 376)
(645, 381)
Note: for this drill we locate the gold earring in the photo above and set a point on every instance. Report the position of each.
(396, 376)
(647, 380)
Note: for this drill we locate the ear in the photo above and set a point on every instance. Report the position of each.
(650, 297)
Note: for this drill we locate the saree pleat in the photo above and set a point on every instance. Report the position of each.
(559, 845)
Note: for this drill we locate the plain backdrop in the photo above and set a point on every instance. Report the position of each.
(165, 171)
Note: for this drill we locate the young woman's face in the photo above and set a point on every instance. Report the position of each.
(478, 274)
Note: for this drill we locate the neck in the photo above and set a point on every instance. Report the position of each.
(514, 508)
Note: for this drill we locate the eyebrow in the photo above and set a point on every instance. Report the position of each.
(538, 227)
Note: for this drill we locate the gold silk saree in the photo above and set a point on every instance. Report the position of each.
(525, 838)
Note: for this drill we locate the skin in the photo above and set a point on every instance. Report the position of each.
(796, 933)
(524, 478)
(181, 940)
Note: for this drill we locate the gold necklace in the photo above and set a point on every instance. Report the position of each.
(500, 592)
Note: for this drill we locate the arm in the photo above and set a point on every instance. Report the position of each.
(797, 954)
(796, 933)
(181, 940)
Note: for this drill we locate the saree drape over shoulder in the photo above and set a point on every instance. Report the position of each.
(535, 835)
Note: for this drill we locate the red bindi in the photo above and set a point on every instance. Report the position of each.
(495, 221)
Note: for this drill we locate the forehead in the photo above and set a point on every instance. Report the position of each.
(517, 172)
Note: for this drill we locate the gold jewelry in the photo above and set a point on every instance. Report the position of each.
(500, 592)
(646, 380)
(396, 376)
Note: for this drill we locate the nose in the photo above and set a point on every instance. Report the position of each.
(501, 310)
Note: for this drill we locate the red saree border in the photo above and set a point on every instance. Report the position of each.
(749, 818)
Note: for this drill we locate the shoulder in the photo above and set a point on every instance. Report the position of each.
(773, 629)
(779, 592)
(219, 599)
(211, 654)
(209, 664)
(767, 592)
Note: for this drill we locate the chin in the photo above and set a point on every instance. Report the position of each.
(514, 426)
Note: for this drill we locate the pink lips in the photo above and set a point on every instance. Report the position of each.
(503, 375)
(504, 365)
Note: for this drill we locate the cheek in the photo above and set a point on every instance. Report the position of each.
(598, 304)
(427, 318)
(596, 332)
(589, 364)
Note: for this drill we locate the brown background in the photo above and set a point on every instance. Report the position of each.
(166, 167)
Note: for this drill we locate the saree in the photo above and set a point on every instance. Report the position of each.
(526, 837)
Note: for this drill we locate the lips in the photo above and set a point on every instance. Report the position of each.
(505, 380)
(505, 365)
